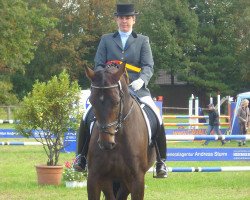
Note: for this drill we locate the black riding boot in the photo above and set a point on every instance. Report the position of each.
(83, 139)
(161, 169)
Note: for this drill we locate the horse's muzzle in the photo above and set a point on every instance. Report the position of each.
(105, 145)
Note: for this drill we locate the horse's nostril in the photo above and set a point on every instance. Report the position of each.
(104, 145)
(100, 144)
(113, 145)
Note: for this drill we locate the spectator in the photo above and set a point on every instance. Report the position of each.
(243, 116)
(213, 123)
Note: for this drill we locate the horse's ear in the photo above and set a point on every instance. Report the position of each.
(120, 71)
(89, 73)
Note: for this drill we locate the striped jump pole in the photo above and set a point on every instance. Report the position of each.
(209, 169)
(193, 116)
(206, 169)
(207, 137)
(191, 124)
(21, 143)
(8, 121)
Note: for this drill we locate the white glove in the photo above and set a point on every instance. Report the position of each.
(137, 84)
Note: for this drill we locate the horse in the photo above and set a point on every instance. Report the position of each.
(119, 150)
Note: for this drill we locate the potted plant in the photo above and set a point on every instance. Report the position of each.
(74, 178)
(46, 114)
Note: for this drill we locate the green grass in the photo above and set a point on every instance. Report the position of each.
(6, 126)
(18, 179)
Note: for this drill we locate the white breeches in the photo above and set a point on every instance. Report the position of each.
(149, 101)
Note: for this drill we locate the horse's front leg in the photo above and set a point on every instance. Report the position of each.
(107, 188)
(137, 189)
(93, 188)
(122, 193)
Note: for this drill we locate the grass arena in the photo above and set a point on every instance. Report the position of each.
(18, 178)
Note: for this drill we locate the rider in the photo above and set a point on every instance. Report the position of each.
(134, 49)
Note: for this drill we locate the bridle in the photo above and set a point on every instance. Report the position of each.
(120, 119)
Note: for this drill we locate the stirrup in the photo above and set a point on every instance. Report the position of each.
(159, 176)
(78, 165)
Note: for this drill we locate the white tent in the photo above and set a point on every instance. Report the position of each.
(240, 97)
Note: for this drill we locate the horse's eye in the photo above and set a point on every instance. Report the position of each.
(116, 103)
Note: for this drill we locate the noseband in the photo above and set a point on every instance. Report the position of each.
(117, 123)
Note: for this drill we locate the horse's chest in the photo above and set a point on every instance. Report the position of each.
(116, 162)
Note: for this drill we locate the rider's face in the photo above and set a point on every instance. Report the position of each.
(125, 23)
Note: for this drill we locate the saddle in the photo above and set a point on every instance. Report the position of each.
(150, 117)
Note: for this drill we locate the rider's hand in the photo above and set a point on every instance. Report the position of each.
(137, 84)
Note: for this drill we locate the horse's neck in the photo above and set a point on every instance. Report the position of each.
(128, 101)
(136, 125)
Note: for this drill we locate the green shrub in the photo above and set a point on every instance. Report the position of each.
(50, 110)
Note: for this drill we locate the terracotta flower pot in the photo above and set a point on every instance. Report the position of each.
(49, 175)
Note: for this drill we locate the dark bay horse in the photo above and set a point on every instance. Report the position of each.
(119, 148)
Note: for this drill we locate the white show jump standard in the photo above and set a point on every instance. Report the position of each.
(207, 137)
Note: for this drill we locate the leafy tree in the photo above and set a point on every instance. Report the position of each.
(172, 28)
(242, 20)
(215, 64)
(20, 84)
(72, 43)
(6, 96)
(21, 28)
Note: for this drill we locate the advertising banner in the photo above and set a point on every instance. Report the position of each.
(208, 154)
(69, 138)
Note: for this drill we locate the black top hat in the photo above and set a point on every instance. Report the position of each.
(125, 10)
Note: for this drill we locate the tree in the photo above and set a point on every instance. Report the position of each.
(6, 97)
(242, 20)
(171, 27)
(72, 43)
(215, 64)
(21, 29)
(22, 26)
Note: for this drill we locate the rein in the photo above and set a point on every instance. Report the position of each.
(117, 123)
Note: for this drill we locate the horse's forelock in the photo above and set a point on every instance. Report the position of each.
(98, 80)
(106, 76)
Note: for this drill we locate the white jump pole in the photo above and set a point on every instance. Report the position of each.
(218, 103)
(211, 99)
(196, 110)
(206, 169)
(206, 137)
(190, 109)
